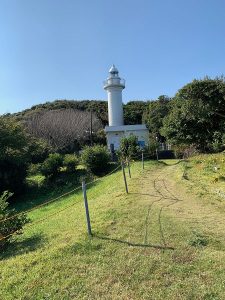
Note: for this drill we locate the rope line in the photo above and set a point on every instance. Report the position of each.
(55, 213)
(54, 199)
(51, 201)
(39, 221)
(39, 206)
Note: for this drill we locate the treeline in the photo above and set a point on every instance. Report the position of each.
(193, 119)
(67, 126)
(133, 110)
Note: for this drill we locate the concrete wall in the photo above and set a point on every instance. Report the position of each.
(115, 137)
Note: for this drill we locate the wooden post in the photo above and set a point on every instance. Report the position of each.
(86, 208)
(142, 157)
(124, 177)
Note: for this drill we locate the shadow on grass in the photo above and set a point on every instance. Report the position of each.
(132, 244)
(168, 164)
(21, 247)
(143, 194)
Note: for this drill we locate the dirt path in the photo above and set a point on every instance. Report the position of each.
(160, 190)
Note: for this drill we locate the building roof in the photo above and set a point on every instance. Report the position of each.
(113, 70)
(125, 128)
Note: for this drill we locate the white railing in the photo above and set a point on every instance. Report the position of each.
(114, 82)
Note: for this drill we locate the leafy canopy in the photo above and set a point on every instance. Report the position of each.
(129, 147)
(197, 114)
(9, 226)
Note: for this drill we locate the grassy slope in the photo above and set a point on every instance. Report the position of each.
(129, 256)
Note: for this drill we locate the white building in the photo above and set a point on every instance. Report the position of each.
(116, 129)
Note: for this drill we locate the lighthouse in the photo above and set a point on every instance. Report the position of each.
(114, 86)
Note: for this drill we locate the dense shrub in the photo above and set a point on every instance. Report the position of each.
(70, 161)
(34, 169)
(8, 227)
(14, 155)
(184, 150)
(51, 166)
(96, 158)
(129, 147)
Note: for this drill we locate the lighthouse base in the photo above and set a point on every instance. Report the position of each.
(115, 133)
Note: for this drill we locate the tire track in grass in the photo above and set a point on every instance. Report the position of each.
(167, 195)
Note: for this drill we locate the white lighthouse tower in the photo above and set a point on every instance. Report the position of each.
(116, 129)
(114, 86)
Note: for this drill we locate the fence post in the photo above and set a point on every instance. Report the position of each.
(124, 177)
(86, 208)
(142, 157)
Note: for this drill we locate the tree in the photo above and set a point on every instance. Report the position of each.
(9, 225)
(197, 114)
(14, 155)
(70, 161)
(129, 147)
(51, 166)
(65, 130)
(153, 117)
(95, 158)
(133, 112)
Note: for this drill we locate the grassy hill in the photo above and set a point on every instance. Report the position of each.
(162, 240)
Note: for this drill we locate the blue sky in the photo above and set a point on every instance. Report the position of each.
(62, 49)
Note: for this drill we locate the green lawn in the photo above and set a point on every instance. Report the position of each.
(163, 240)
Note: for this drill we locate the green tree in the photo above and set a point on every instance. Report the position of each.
(133, 112)
(51, 166)
(9, 225)
(154, 115)
(197, 114)
(70, 161)
(129, 147)
(14, 155)
(95, 158)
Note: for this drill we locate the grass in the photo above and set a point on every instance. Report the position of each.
(160, 241)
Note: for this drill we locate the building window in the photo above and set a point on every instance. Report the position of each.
(141, 144)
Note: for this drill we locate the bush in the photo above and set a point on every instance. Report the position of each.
(96, 158)
(34, 169)
(129, 147)
(51, 166)
(70, 161)
(10, 226)
(14, 155)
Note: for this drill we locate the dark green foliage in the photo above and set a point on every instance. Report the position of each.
(96, 158)
(34, 169)
(51, 166)
(133, 112)
(197, 114)
(129, 147)
(8, 227)
(14, 155)
(70, 161)
(154, 115)
(38, 149)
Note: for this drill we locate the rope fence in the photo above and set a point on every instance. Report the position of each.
(61, 196)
